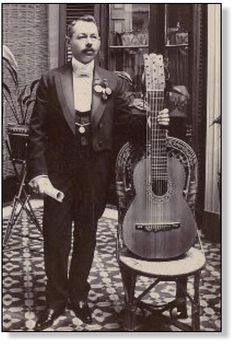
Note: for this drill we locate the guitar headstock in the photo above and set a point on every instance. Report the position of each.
(154, 72)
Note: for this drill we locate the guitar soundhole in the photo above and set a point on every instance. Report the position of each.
(159, 187)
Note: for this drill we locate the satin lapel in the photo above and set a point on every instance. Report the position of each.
(64, 84)
(98, 106)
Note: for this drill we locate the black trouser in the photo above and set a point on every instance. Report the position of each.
(84, 203)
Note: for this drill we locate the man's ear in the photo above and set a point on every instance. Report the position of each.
(67, 39)
(100, 42)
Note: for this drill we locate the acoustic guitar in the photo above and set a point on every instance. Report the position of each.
(158, 223)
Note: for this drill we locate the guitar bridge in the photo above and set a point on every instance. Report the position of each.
(151, 227)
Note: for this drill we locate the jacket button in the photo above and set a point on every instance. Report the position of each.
(100, 125)
(100, 143)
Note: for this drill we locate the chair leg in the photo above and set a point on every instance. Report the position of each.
(196, 303)
(181, 295)
(129, 280)
(12, 221)
(30, 212)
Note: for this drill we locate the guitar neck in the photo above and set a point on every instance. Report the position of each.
(156, 136)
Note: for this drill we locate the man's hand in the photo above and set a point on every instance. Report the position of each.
(164, 117)
(39, 184)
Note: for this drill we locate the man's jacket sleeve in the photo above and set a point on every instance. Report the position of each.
(132, 126)
(37, 138)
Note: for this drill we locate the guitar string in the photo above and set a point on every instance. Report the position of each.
(156, 147)
(159, 157)
(150, 153)
(147, 197)
(155, 134)
(160, 154)
(147, 166)
(151, 140)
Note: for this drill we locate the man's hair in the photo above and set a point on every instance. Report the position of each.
(84, 18)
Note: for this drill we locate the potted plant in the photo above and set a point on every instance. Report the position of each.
(20, 101)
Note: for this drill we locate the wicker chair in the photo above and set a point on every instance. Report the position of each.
(132, 267)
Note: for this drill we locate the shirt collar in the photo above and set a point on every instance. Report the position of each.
(80, 68)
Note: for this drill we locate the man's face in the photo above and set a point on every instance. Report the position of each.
(85, 41)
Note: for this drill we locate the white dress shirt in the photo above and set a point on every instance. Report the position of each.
(82, 84)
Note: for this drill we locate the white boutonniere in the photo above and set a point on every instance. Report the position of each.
(102, 87)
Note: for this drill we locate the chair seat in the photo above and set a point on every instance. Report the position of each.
(189, 263)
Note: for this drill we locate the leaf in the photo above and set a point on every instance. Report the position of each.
(124, 75)
(27, 108)
(25, 99)
(10, 102)
(35, 82)
(7, 89)
(7, 54)
(12, 71)
(21, 94)
(30, 101)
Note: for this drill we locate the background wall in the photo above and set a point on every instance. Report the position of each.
(25, 32)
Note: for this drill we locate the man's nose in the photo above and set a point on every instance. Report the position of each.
(89, 41)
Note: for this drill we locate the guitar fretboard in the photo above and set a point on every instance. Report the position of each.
(156, 137)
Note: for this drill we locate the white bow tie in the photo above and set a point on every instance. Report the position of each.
(84, 72)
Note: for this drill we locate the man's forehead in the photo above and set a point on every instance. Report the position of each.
(85, 27)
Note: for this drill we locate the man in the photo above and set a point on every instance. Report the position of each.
(78, 108)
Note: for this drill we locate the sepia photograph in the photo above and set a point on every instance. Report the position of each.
(111, 167)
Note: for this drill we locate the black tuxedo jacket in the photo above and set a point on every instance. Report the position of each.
(52, 126)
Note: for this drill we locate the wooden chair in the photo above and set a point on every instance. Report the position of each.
(131, 267)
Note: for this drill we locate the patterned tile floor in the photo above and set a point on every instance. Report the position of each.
(24, 283)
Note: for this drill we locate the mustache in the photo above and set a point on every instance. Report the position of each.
(88, 49)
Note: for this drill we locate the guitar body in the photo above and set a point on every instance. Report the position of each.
(159, 227)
